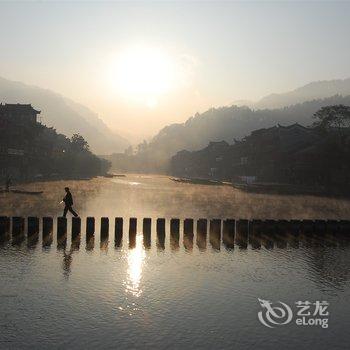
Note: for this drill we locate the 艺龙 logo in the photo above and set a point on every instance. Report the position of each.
(274, 315)
(308, 313)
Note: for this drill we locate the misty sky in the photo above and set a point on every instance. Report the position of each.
(197, 54)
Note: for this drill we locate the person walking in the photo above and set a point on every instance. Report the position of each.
(68, 203)
(8, 183)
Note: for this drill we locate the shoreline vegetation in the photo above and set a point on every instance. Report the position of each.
(31, 151)
(265, 188)
(14, 187)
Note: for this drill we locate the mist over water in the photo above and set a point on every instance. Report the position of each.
(253, 93)
(194, 292)
(158, 196)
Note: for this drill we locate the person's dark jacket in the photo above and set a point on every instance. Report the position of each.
(68, 199)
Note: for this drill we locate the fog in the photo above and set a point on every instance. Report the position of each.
(225, 52)
(158, 196)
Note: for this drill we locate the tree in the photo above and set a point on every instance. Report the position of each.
(337, 116)
(78, 143)
(334, 121)
(129, 151)
(142, 147)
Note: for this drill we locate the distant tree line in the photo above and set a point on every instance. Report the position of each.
(69, 157)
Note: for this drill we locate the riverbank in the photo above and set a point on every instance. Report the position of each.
(290, 189)
(269, 188)
(157, 196)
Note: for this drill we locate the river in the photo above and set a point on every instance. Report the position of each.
(158, 196)
(198, 296)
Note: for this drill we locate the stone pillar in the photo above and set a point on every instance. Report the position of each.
(174, 233)
(32, 231)
(4, 227)
(47, 231)
(147, 224)
(242, 228)
(61, 232)
(90, 228)
(202, 234)
(188, 234)
(17, 226)
(215, 233)
(76, 228)
(118, 231)
(104, 229)
(132, 232)
(161, 233)
(228, 233)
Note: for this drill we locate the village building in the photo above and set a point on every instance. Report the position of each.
(272, 154)
(19, 129)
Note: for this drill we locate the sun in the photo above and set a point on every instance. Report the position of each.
(143, 74)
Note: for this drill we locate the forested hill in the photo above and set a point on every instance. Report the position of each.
(228, 123)
(308, 92)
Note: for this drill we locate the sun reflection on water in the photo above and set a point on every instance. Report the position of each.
(135, 259)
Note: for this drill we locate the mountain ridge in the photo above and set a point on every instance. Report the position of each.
(229, 123)
(64, 114)
(313, 90)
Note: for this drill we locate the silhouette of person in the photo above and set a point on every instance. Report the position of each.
(68, 203)
(8, 183)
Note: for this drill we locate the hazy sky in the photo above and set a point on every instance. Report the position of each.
(141, 65)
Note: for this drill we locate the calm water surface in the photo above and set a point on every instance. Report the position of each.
(192, 295)
(158, 196)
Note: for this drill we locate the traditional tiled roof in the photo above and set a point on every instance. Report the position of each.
(14, 107)
(291, 126)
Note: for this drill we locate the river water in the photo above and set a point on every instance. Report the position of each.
(190, 295)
